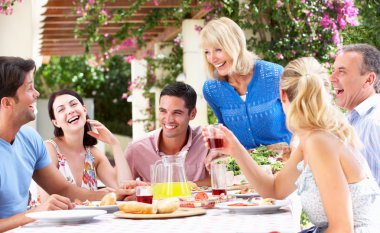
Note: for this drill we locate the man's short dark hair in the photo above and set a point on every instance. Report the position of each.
(371, 60)
(13, 71)
(181, 90)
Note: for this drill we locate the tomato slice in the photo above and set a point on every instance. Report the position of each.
(201, 196)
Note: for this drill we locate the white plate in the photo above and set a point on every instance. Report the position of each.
(245, 195)
(264, 209)
(65, 216)
(206, 191)
(95, 206)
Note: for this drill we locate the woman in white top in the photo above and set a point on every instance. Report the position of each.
(337, 190)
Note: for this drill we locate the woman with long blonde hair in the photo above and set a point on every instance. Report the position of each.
(337, 190)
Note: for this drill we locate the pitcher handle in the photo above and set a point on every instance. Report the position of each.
(155, 166)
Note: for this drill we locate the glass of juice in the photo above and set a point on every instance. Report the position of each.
(215, 139)
(218, 178)
(144, 194)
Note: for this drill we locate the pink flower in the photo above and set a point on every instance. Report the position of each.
(177, 41)
(280, 56)
(129, 59)
(279, 4)
(80, 12)
(155, 2)
(325, 22)
(336, 37)
(342, 23)
(106, 35)
(303, 1)
(197, 28)
(91, 2)
(106, 13)
(293, 52)
(353, 22)
(207, 6)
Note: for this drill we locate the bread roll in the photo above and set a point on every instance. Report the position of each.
(134, 207)
(166, 206)
(108, 199)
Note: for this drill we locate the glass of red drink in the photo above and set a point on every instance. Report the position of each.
(218, 178)
(144, 194)
(215, 137)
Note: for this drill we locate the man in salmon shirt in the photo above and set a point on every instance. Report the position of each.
(176, 110)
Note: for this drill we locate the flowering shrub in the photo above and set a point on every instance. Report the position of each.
(6, 6)
(369, 28)
(284, 30)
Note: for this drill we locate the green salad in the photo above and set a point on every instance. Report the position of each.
(263, 156)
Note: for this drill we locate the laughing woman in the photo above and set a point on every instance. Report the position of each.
(73, 149)
(337, 189)
(244, 94)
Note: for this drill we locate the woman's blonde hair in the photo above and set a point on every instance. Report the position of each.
(225, 34)
(307, 86)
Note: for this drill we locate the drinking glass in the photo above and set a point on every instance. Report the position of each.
(144, 194)
(218, 178)
(215, 139)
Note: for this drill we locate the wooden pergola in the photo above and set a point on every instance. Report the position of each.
(60, 20)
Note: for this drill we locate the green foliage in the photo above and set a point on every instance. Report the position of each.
(94, 15)
(67, 72)
(369, 28)
(105, 86)
(211, 118)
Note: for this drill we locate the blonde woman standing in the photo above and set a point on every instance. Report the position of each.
(244, 94)
(337, 190)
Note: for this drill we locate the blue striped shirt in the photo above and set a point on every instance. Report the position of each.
(365, 119)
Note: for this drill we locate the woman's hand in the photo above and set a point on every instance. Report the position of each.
(103, 133)
(231, 145)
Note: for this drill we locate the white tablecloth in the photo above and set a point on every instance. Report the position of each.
(216, 220)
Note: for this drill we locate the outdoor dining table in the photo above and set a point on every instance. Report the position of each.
(215, 220)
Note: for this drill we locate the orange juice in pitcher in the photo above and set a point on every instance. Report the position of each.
(172, 189)
(168, 178)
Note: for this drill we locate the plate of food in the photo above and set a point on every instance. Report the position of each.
(160, 209)
(244, 193)
(65, 216)
(204, 200)
(95, 205)
(196, 189)
(263, 206)
(107, 203)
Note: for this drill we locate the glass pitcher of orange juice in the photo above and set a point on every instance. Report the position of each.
(168, 178)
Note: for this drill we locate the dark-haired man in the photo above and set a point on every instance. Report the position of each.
(23, 154)
(356, 80)
(176, 110)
